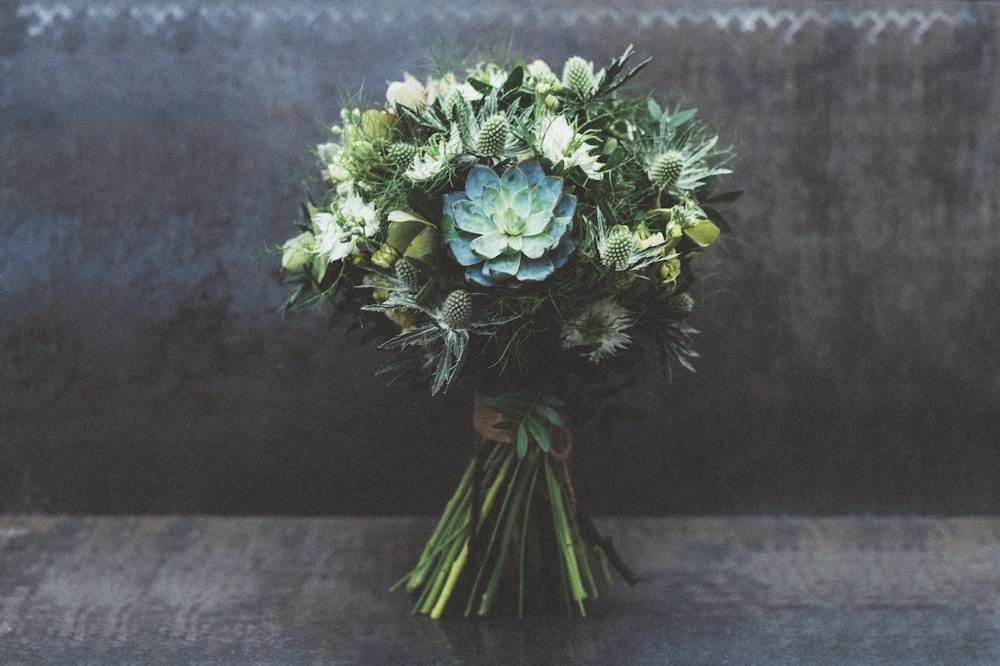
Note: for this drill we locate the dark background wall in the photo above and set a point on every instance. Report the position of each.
(151, 152)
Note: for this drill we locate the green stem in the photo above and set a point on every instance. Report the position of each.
(456, 569)
(564, 537)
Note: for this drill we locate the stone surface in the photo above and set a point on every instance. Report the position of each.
(150, 153)
(198, 591)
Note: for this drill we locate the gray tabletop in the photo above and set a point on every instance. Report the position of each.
(215, 590)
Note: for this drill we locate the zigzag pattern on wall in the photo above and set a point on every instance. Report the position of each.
(52, 17)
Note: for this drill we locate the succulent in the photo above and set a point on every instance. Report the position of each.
(515, 226)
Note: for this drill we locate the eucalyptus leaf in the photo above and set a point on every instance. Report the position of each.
(539, 433)
(550, 415)
(522, 442)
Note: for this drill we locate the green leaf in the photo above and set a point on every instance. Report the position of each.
(403, 227)
(424, 246)
(522, 442)
(550, 415)
(654, 108)
(702, 232)
(681, 117)
(539, 432)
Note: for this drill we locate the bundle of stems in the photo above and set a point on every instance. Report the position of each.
(511, 527)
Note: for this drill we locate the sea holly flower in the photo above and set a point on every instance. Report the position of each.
(578, 76)
(510, 227)
(601, 327)
(681, 169)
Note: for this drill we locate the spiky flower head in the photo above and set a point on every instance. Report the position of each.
(617, 249)
(408, 276)
(493, 136)
(679, 306)
(514, 226)
(456, 311)
(401, 154)
(667, 169)
(578, 76)
(600, 326)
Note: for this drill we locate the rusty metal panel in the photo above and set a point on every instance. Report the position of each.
(151, 152)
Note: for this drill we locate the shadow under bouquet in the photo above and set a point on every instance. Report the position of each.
(530, 232)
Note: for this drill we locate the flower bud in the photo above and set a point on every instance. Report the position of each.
(297, 252)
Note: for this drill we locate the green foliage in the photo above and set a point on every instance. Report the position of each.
(636, 202)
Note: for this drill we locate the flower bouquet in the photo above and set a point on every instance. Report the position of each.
(531, 233)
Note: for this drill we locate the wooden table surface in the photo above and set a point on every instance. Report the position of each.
(279, 590)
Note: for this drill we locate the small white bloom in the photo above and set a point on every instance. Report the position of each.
(559, 142)
(431, 160)
(600, 325)
(332, 242)
(409, 92)
(338, 231)
(539, 70)
(331, 155)
(425, 166)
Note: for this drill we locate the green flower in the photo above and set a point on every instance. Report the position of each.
(514, 226)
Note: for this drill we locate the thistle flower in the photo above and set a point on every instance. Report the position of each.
(578, 76)
(456, 311)
(408, 276)
(493, 133)
(682, 168)
(401, 154)
(618, 247)
(667, 169)
(514, 226)
(601, 326)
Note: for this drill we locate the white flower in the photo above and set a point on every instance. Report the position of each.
(429, 162)
(338, 231)
(539, 70)
(559, 142)
(331, 155)
(409, 92)
(600, 325)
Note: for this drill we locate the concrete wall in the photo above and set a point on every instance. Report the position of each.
(150, 153)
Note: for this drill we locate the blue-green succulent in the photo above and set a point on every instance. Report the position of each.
(514, 226)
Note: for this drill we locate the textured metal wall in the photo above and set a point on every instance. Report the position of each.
(150, 153)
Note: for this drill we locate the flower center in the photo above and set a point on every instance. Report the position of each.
(513, 224)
